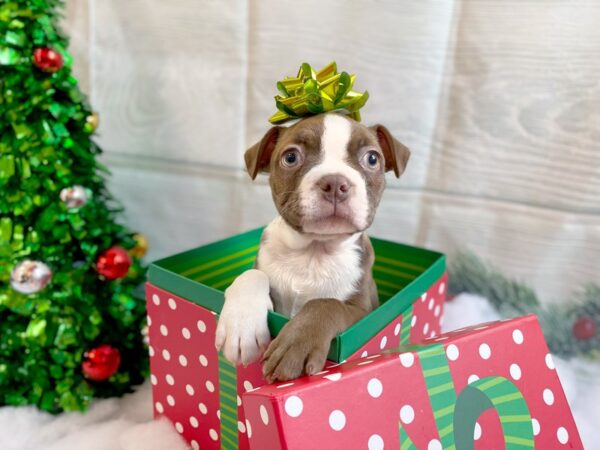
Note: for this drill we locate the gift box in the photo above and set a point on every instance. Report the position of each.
(199, 391)
(492, 386)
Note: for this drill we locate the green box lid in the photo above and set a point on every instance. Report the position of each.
(402, 274)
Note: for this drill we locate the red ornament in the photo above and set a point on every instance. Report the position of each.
(101, 363)
(113, 263)
(47, 60)
(585, 328)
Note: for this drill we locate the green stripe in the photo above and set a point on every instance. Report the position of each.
(436, 371)
(227, 403)
(494, 381)
(228, 268)
(396, 273)
(386, 283)
(441, 388)
(443, 412)
(216, 262)
(507, 398)
(397, 263)
(515, 418)
(406, 326)
(519, 441)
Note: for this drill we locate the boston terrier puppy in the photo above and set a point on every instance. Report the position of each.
(315, 260)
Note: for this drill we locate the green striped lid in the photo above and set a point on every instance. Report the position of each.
(402, 273)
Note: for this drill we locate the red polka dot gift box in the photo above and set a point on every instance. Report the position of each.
(200, 392)
(493, 386)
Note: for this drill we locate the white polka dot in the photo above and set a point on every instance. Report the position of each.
(413, 321)
(241, 427)
(189, 389)
(432, 334)
(163, 330)
(170, 400)
(201, 326)
(452, 352)
(248, 428)
(293, 406)
(383, 342)
(151, 351)
(170, 379)
(550, 362)
(179, 427)
(248, 386)
(426, 328)
(472, 379)
(430, 305)
(517, 336)
(364, 354)
(374, 387)
(186, 333)
(477, 431)
(166, 354)
(442, 288)
(203, 360)
(407, 414)
(485, 351)
(563, 435)
(202, 407)
(536, 426)
(182, 360)
(219, 414)
(424, 297)
(149, 320)
(213, 434)
(156, 299)
(194, 422)
(407, 359)
(195, 445)
(264, 415)
(434, 444)
(548, 397)
(172, 304)
(337, 420)
(396, 333)
(375, 442)
(159, 407)
(515, 371)
(210, 387)
(153, 379)
(333, 376)
(437, 311)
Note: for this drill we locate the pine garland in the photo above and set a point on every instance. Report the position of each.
(512, 298)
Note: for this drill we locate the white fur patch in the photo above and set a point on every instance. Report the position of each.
(301, 268)
(242, 331)
(337, 132)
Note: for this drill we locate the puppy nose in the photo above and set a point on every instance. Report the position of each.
(334, 188)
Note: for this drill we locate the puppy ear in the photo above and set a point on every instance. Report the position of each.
(396, 154)
(258, 156)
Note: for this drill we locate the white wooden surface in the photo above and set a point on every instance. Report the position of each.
(499, 101)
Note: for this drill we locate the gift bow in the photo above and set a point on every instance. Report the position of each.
(313, 92)
(455, 417)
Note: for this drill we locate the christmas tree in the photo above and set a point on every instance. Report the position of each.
(70, 324)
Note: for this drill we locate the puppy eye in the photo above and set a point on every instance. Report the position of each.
(371, 160)
(290, 158)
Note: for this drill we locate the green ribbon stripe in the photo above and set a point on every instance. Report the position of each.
(228, 404)
(455, 417)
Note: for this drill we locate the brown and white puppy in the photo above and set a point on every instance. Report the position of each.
(327, 174)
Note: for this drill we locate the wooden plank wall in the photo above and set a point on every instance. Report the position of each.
(499, 101)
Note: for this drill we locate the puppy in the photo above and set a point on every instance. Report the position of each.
(314, 264)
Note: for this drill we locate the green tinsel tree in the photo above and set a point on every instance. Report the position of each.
(67, 281)
(572, 328)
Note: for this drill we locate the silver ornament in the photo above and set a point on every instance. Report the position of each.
(74, 196)
(29, 277)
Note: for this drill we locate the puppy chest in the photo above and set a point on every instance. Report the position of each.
(296, 277)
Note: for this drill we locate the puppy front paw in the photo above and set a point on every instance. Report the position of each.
(294, 352)
(242, 332)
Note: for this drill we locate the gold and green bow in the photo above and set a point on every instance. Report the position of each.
(317, 92)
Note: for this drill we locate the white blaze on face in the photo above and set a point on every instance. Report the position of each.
(337, 132)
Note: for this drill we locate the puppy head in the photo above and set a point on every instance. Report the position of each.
(327, 171)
